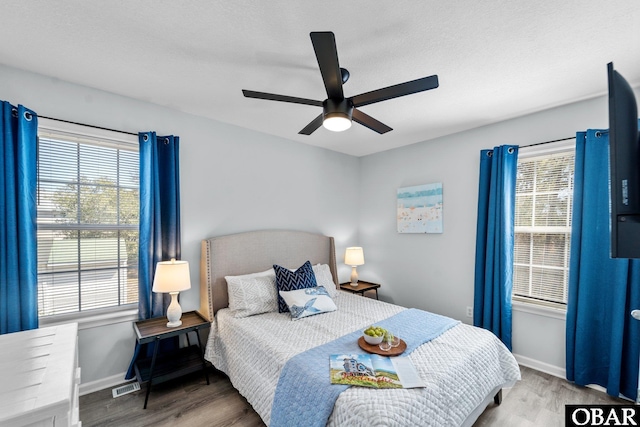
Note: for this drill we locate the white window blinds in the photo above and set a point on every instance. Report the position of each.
(87, 218)
(544, 197)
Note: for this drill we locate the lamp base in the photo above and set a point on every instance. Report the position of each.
(354, 276)
(174, 312)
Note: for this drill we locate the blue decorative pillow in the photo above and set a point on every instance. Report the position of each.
(287, 280)
(308, 301)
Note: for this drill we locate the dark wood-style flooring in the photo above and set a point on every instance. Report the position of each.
(537, 400)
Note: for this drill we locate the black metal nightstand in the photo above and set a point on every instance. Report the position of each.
(165, 366)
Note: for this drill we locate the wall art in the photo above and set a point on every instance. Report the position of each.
(419, 209)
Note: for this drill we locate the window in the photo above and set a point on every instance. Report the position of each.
(87, 218)
(544, 197)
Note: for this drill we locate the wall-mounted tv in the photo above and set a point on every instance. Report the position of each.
(624, 167)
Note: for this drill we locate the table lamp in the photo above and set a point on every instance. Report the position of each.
(172, 277)
(354, 256)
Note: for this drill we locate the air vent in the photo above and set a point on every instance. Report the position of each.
(125, 389)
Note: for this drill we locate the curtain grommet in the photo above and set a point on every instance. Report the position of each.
(28, 116)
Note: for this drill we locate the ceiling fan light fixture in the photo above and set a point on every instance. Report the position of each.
(336, 122)
(338, 111)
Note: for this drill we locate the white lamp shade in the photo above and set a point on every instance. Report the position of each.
(354, 256)
(172, 276)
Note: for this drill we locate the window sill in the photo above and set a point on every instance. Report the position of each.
(555, 313)
(94, 319)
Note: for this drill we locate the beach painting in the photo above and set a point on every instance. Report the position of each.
(419, 209)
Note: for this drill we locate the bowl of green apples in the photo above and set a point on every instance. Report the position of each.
(373, 334)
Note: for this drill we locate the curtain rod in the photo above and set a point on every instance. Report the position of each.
(548, 142)
(135, 134)
(91, 126)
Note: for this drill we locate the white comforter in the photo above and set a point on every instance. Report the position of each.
(461, 368)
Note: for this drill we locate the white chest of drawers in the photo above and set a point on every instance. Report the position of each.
(39, 377)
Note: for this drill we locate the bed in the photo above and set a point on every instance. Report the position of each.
(464, 369)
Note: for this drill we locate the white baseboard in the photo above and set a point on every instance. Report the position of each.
(556, 371)
(101, 384)
(553, 370)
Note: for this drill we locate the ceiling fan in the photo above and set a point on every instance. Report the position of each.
(338, 111)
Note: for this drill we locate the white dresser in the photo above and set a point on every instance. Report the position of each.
(39, 377)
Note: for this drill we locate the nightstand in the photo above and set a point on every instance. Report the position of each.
(361, 288)
(165, 366)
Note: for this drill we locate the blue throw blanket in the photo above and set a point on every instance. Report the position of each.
(305, 395)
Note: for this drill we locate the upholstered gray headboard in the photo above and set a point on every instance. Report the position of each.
(255, 251)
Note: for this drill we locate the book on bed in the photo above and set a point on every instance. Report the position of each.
(372, 370)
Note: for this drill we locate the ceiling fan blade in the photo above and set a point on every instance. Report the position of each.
(368, 121)
(324, 44)
(311, 127)
(395, 91)
(283, 98)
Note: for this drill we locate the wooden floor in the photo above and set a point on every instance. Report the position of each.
(537, 400)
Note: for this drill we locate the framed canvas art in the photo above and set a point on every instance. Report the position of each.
(419, 209)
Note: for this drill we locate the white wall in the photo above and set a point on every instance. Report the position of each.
(436, 271)
(235, 180)
(232, 180)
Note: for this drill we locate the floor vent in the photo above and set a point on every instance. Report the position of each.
(125, 389)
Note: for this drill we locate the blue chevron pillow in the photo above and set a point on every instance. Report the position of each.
(287, 280)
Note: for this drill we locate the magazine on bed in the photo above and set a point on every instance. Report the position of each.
(372, 370)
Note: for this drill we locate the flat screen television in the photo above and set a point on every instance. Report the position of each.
(624, 167)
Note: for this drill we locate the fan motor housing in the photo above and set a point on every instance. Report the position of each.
(333, 108)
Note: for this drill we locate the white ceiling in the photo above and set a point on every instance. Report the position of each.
(494, 59)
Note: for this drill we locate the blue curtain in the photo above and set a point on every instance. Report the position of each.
(494, 241)
(159, 216)
(18, 250)
(159, 222)
(603, 340)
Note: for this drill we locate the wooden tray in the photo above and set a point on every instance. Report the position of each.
(375, 348)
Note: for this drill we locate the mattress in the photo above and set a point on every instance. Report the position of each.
(462, 368)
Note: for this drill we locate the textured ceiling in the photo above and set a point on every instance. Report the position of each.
(494, 59)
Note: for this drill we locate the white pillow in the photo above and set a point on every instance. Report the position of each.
(251, 294)
(325, 278)
(308, 301)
